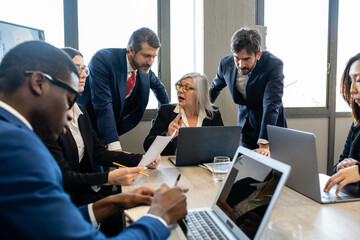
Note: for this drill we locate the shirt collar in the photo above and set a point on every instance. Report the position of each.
(15, 113)
(201, 116)
(77, 112)
(129, 68)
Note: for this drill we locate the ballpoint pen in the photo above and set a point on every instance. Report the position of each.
(118, 164)
(177, 179)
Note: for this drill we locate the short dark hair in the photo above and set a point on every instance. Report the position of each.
(33, 56)
(345, 88)
(248, 39)
(143, 35)
(72, 52)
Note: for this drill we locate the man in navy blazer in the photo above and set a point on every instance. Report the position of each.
(255, 81)
(118, 109)
(38, 86)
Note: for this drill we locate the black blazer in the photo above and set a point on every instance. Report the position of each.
(352, 145)
(66, 154)
(164, 117)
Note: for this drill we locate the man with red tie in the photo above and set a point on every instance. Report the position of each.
(118, 87)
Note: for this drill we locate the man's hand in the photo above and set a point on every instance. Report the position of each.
(347, 162)
(114, 204)
(124, 176)
(169, 204)
(263, 149)
(343, 178)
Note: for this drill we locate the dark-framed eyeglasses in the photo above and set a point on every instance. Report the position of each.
(59, 84)
(83, 68)
(185, 88)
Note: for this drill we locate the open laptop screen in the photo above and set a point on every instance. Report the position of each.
(249, 193)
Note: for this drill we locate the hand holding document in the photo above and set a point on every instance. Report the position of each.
(155, 149)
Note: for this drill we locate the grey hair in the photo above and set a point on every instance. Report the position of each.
(201, 86)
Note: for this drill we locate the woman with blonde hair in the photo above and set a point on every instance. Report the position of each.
(193, 110)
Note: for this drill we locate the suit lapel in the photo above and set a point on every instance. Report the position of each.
(238, 98)
(87, 137)
(121, 68)
(70, 149)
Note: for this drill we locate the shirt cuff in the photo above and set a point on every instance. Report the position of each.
(358, 164)
(262, 141)
(158, 218)
(92, 217)
(114, 146)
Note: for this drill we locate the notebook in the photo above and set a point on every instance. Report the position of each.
(244, 202)
(197, 145)
(298, 149)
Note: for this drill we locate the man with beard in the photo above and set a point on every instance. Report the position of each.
(38, 86)
(255, 81)
(117, 92)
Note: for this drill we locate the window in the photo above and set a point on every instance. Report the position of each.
(41, 14)
(110, 24)
(348, 44)
(186, 40)
(301, 44)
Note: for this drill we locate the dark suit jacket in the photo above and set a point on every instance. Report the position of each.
(264, 91)
(164, 117)
(76, 181)
(33, 203)
(108, 80)
(352, 145)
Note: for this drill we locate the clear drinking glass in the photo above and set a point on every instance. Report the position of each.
(220, 168)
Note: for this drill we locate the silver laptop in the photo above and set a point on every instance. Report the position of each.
(298, 149)
(244, 202)
(197, 145)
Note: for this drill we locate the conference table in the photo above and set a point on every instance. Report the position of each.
(317, 221)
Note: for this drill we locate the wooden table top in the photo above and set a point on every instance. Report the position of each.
(318, 221)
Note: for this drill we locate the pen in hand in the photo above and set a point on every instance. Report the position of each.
(177, 180)
(179, 113)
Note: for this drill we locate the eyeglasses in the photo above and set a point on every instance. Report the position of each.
(185, 88)
(59, 84)
(83, 68)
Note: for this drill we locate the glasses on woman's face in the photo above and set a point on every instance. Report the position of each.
(185, 88)
(83, 68)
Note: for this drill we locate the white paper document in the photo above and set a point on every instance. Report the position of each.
(155, 149)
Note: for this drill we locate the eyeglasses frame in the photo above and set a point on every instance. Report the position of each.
(59, 84)
(185, 88)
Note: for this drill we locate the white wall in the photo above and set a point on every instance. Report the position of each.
(221, 20)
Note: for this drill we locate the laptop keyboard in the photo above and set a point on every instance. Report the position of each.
(332, 195)
(202, 226)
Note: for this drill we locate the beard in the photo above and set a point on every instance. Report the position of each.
(246, 70)
(144, 68)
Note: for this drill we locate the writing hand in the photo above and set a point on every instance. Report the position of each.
(124, 176)
(169, 204)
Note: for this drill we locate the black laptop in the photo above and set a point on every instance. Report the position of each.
(197, 145)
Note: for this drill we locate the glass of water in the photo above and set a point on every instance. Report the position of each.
(220, 168)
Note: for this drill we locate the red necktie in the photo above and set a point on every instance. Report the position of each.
(131, 82)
